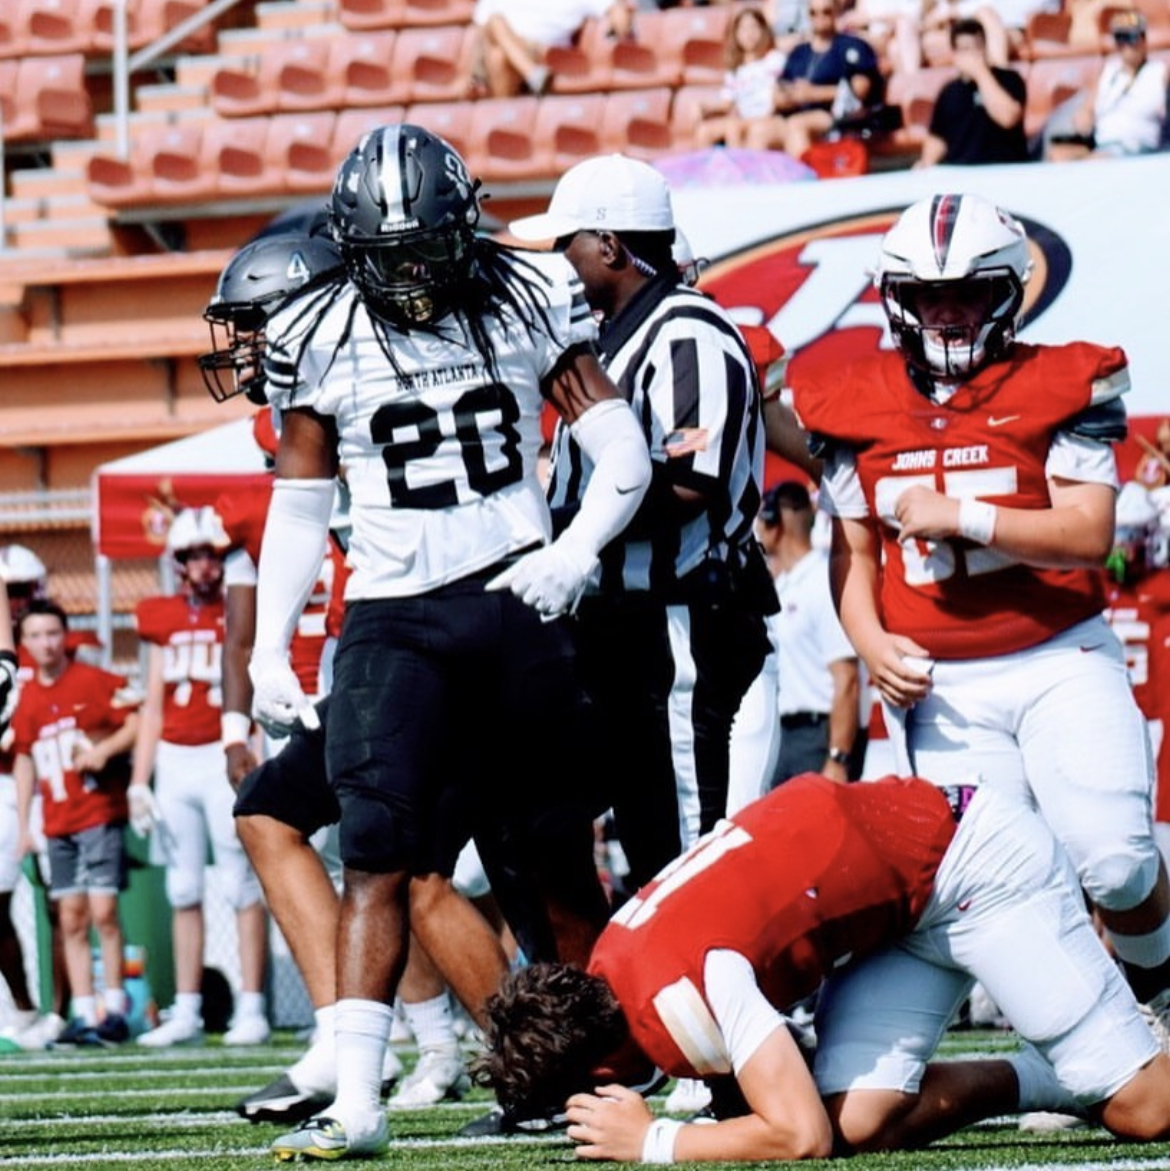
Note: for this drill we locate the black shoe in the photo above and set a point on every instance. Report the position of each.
(496, 1123)
(74, 1033)
(282, 1101)
(112, 1030)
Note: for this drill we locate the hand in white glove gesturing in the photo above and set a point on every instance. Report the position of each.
(277, 699)
(551, 579)
(143, 809)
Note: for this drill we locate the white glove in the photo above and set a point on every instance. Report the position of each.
(143, 809)
(550, 580)
(277, 699)
(9, 691)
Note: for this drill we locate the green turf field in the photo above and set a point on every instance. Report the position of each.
(173, 1110)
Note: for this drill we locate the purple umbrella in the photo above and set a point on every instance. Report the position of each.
(720, 166)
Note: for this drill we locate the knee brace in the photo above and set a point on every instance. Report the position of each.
(184, 888)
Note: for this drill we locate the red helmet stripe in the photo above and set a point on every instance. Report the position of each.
(944, 211)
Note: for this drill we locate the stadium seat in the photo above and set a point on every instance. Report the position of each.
(504, 131)
(291, 75)
(363, 65)
(8, 90)
(51, 100)
(915, 93)
(183, 166)
(652, 57)
(13, 38)
(684, 111)
(568, 129)
(1052, 80)
(452, 121)
(53, 26)
(434, 62)
(637, 122)
(585, 66)
(699, 34)
(298, 151)
(1046, 35)
(351, 125)
(371, 14)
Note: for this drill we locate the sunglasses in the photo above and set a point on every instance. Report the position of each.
(1129, 36)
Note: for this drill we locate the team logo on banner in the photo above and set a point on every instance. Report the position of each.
(813, 285)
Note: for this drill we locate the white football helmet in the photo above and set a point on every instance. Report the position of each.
(958, 246)
(196, 528)
(19, 565)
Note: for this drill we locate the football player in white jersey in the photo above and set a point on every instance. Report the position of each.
(422, 375)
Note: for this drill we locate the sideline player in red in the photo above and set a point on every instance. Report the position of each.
(874, 889)
(972, 483)
(179, 742)
(74, 728)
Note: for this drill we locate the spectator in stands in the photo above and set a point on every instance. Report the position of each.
(1153, 467)
(892, 27)
(516, 34)
(1004, 23)
(753, 65)
(979, 116)
(1124, 113)
(825, 77)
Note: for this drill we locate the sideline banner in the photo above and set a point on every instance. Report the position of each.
(797, 257)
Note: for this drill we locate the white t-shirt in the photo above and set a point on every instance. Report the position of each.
(1129, 109)
(543, 22)
(752, 87)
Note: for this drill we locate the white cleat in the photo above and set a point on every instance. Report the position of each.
(439, 1076)
(41, 1033)
(249, 1030)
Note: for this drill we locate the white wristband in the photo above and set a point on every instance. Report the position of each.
(658, 1145)
(235, 728)
(977, 521)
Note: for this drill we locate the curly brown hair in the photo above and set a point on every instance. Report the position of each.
(548, 1028)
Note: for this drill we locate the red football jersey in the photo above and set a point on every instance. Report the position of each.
(243, 519)
(810, 874)
(990, 441)
(50, 720)
(192, 641)
(1140, 617)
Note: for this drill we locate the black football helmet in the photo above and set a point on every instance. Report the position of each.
(403, 213)
(252, 286)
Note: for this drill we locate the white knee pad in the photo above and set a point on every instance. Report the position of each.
(241, 887)
(1118, 881)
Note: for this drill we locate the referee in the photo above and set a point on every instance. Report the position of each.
(671, 631)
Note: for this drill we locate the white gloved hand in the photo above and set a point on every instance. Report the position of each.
(143, 809)
(9, 691)
(277, 699)
(550, 580)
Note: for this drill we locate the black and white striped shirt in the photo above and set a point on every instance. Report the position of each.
(683, 366)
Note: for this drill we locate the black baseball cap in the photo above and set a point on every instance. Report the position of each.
(790, 494)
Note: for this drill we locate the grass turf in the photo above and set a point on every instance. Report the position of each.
(172, 1110)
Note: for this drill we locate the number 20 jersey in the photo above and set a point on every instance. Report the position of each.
(989, 441)
(439, 452)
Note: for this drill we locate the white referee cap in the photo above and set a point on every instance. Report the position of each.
(609, 193)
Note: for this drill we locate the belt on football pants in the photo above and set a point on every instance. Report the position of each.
(803, 719)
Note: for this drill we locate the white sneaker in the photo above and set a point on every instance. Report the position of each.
(248, 1030)
(19, 1020)
(689, 1096)
(177, 1031)
(43, 1031)
(438, 1076)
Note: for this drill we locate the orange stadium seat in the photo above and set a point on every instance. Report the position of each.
(585, 66)
(13, 36)
(351, 125)
(180, 167)
(51, 100)
(364, 66)
(568, 129)
(636, 122)
(54, 26)
(292, 75)
(654, 56)
(298, 151)
(8, 90)
(699, 34)
(435, 62)
(504, 131)
(1052, 80)
(915, 93)
(146, 21)
(1046, 34)
(368, 14)
(684, 111)
(451, 120)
